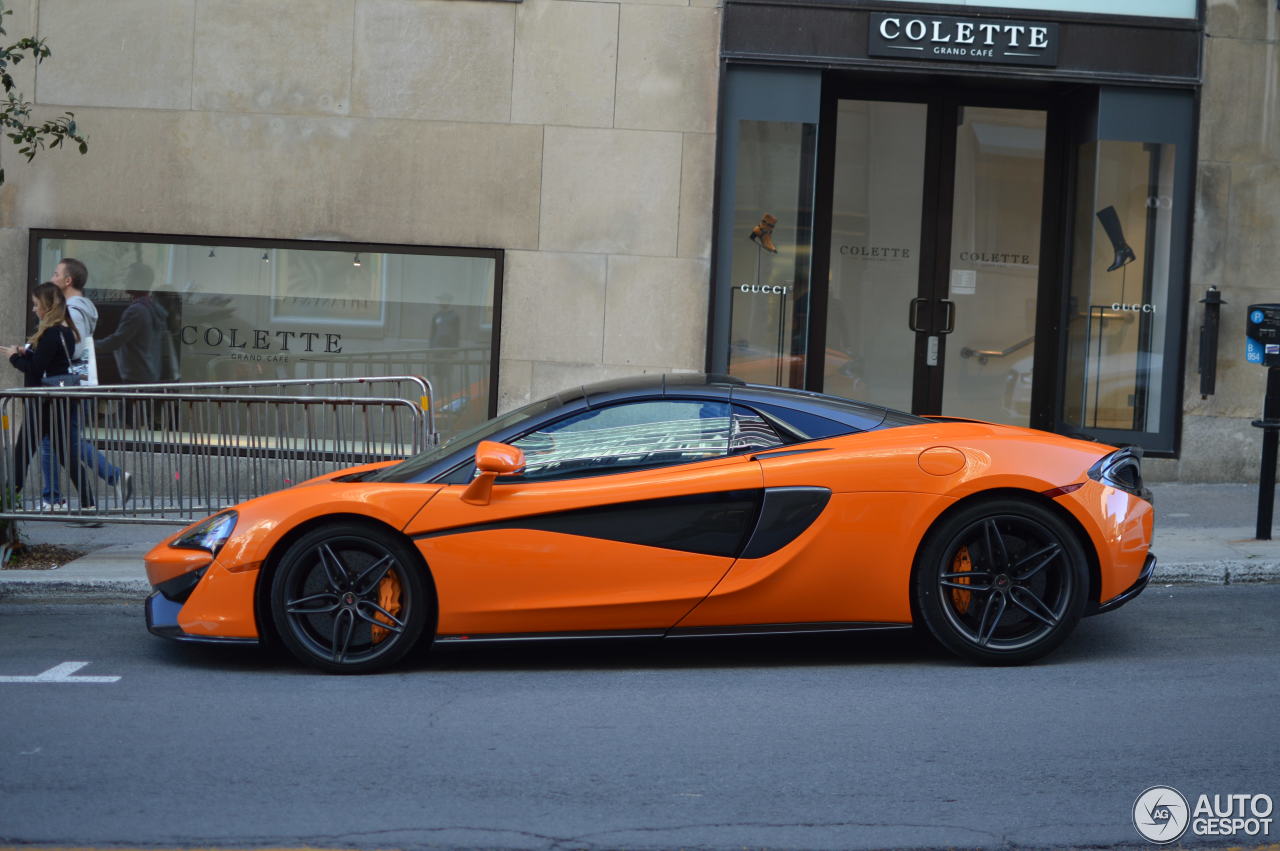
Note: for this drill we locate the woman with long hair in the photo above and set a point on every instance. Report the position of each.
(47, 352)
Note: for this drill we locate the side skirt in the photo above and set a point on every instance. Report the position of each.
(784, 629)
(515, 637)
(686, 632)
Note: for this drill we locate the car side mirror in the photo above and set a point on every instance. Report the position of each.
(492, 460)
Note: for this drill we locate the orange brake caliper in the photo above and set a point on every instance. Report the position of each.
(389, 599)
(962, 564)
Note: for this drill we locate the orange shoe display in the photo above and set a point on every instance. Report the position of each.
(763, 233)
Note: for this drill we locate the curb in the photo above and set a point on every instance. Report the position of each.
(1217, 573)
(64, 590)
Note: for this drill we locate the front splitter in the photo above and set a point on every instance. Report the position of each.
(162, 620)
(1144, 579)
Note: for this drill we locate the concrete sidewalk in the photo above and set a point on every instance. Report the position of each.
(1204, 536)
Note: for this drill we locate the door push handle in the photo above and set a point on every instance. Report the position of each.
(949, 324)
(913, 315)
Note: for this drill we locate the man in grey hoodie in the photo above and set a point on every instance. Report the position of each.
(71, 275)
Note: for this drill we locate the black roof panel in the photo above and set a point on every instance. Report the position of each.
(659, 384)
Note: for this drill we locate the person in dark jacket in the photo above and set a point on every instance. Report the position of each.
(47, 352)
(138, 337)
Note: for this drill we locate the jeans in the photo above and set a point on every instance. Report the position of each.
(81, 451)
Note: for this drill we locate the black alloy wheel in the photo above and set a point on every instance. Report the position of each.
(350, 599)
(1001, 582)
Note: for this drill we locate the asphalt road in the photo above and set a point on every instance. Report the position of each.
(807, 742)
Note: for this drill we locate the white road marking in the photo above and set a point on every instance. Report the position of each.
(60, 674)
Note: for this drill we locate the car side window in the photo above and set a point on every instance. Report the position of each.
(751, 432)
(629, 436)
(807, 426)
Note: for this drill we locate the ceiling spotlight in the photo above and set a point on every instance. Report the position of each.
(265, 258)
(355, 261)
(211, 254)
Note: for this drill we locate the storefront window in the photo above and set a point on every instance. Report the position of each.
(1125, 308)
(764, 232)
(1120, 287)
(257, 310)
(772, 232)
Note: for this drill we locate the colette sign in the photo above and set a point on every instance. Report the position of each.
(905, 36)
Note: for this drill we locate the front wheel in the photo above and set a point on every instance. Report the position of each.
(1001, 582)
(350, 599)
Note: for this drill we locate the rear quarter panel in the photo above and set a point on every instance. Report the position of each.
(888, 461)
(854, 563)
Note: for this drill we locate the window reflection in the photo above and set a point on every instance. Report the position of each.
(1120, 285)
(772, 232)
(995, 263)
(875, 250)
(644, 434)
(259, 312)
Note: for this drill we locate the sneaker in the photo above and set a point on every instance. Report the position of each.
(56, 505)
(124, 488)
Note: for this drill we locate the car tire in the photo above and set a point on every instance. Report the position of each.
(350, 599)
(1001, 582)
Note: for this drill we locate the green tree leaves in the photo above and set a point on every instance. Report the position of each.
(15, 111)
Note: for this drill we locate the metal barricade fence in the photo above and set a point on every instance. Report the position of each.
(192, 449)
(400, 386)
(460, 377)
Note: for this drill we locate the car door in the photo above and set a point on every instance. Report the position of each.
(856, 508)
(623, 519)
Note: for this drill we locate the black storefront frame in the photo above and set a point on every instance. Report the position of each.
(1160, 54)
(1095, 48)
(1089, 124)
(1066, 106)
(214, 242)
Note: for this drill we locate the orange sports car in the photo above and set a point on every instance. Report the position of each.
(664, 507)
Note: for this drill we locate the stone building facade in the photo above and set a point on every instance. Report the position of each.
(576, 139)
(1237, 228)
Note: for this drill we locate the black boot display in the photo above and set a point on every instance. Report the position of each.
(1110, 220)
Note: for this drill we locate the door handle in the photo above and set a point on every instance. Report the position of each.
(949, 323)
(913, 314)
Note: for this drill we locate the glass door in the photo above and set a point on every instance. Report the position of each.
(994, 271)
(935, 257)
(875, 251)
(1013, 255)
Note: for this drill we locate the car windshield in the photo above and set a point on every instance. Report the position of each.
(410, 468)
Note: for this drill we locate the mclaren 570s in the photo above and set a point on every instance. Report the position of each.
(675, 506)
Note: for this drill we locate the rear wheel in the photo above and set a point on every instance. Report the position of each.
(350, 599)
(1001, 582)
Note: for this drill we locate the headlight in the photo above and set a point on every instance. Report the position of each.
(1122, 470)
(208, 535)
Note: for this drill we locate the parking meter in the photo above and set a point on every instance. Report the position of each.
(1262, 334)
(1262, 346)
